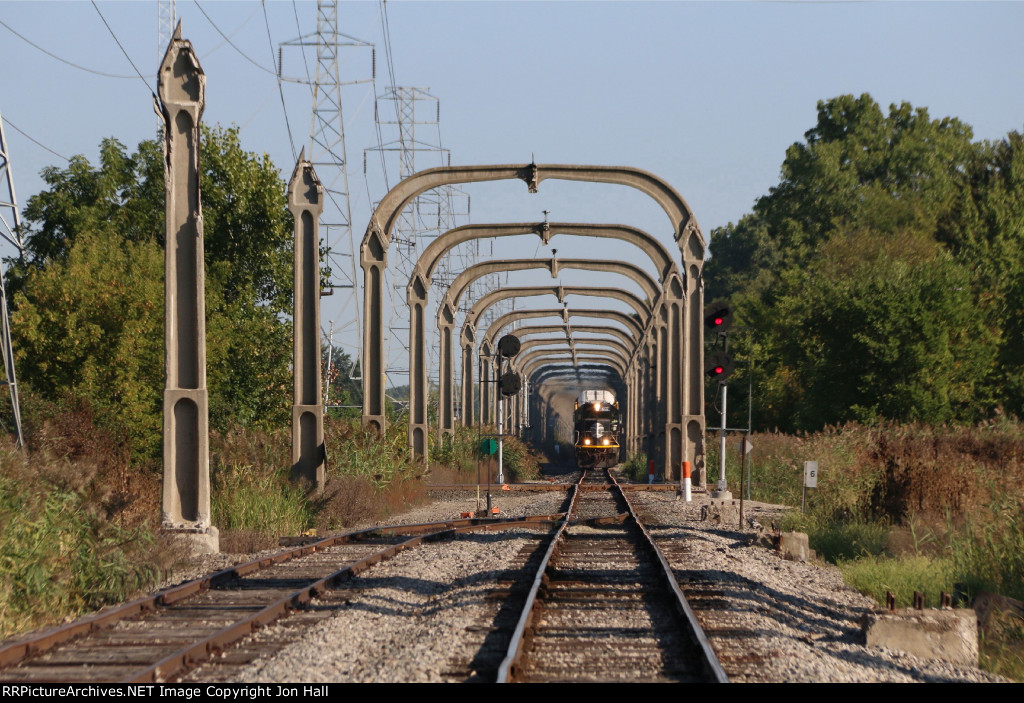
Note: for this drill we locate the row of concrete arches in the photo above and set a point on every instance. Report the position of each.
(658, 361)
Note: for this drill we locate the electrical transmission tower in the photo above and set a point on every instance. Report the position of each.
(428, 216)
(328, 154)
(10, 229)
(166, 16)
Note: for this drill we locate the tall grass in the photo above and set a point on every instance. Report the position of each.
(78, 524)
(906, 508)
(244, 498)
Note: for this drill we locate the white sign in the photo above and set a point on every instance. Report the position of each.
(810, 474)
(746, 447)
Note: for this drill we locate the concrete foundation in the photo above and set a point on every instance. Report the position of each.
(196, 541)
(948, 634)
(795, 546)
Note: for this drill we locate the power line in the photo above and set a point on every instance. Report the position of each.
(62, 60)
(231, 43)
(280, 89)
(118, 41)
(38, 143)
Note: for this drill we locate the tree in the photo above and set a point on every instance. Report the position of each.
(88, 297)
(882, 276)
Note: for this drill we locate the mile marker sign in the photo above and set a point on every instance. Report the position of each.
(811, 474)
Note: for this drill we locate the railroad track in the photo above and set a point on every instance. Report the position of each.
(605, 605)
(156, 638)
(605, 610)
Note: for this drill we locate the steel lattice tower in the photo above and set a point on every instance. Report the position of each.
(327, 152)
(166, 17)
(10, 229)
(429, 215)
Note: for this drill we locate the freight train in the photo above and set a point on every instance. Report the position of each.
(596, 429)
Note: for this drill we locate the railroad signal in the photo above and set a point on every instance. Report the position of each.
(508, 346)
(718, 317)
(718, 365)
(509, 383)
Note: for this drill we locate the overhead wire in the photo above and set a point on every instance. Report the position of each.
(280, 88)
(231, 43)
(237, 30)
(63, 60)
(35, 141)
(121, 47)
(302, 48)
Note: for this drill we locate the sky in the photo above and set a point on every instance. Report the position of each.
(707, 96)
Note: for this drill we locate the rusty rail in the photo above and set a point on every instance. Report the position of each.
(18, 650)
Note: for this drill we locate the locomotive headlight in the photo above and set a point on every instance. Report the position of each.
(587, 442)
(606, 441)
(597, 405)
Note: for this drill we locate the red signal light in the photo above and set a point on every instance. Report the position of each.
(718, 321)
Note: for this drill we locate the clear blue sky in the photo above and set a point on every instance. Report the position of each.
(706, 95)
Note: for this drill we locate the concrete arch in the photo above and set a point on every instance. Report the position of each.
(641, 307)
(653, 248)
(529, 365)
(615, 332)
(614, 355)
(565, 313)
(526, 345)
(468, 334)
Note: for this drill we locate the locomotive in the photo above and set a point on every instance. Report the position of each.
(596, 429)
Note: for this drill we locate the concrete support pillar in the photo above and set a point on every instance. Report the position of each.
(466, 345)
(305, 200)
(186, 490)
(446, 369)
(629, 429)
(416, 295)
(661, 391)
(651, 395)
(373, 258)
(674, 386)
(486, 409)
(692, 376)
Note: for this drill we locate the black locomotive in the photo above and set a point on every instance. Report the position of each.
(596, 429)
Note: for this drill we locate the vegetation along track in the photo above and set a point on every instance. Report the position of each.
(161, 636)
(605, 605)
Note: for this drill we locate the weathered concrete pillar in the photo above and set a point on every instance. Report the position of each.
(661, 391)
(674, 422)
(374, 261)
(466, 344)
(305, 200)
(692, 377)
(446, 369)
(416, 295)
(186, 490)
(486, 415)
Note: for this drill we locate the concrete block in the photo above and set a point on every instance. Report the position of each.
(948, 634)
(795, 546)
(196, 541)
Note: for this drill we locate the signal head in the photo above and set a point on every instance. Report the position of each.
(718, 365)
(718, 317)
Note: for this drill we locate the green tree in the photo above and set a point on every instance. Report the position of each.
(880, 277)
(89, 293)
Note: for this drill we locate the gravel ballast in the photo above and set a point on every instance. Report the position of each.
(425, 615)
